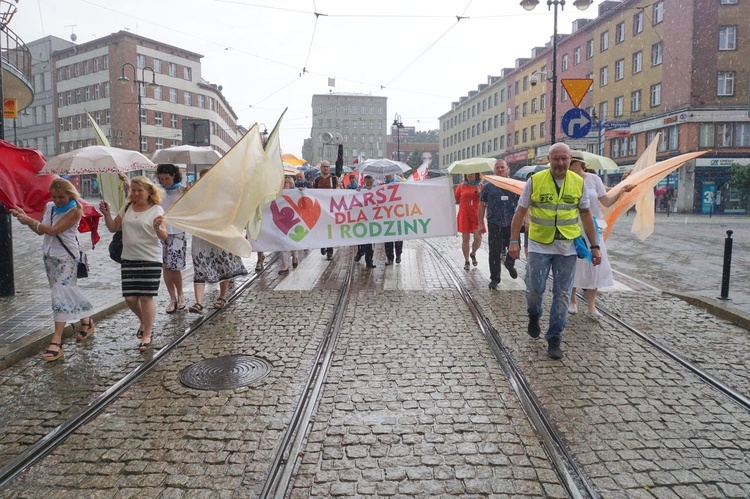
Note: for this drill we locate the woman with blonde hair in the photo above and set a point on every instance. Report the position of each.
(143, 230)
(59, 226)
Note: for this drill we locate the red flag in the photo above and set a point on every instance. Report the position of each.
(421, 172)
(21, 187)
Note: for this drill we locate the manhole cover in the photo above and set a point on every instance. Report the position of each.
(225, 373)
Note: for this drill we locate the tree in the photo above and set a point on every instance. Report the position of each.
(740, 176)
(426, 137)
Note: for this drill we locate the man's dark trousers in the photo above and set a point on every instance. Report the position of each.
(498, 239)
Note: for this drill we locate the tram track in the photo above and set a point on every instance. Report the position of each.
(571, 474)
(42, 447)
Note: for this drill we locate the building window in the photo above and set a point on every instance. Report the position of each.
(77, 69)
(658, 12)
(742, 134)
(188, 99)
(61, 124)
(542, 130)
(97, 91)
(724, 134)
(589, 49)
(674, 138)
(157, 65)
(533, 132)
(157, 93)
(106, 89)
(620, 70)
(158, 118)
(576, 55)
(638, 62)
(105, 62)
(543, 102)
(656, 54)
(637, 23)
(60, 100)
(604, 41)
(86, 68)
(106, 117)
(533, 105)
(201, 101)
(70, 123)
(604, 76)
(187, 73)
(173, 120)
(620, 33)
(707, 133)
(725, 83)
(159, 143)
(172, 69)
(727, 37)
(144, 144)
(525, 135)
(619, 106)
(525, 109)
(635, 101)
(87, 94)
(96, 64)
(655, 95)
(143, 117)
(564, 63)
(517, 113)
(173, 95)
(603, 110)
(563, 96)
(140, 61)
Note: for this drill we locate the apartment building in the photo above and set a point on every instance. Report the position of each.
(677, 68)
(89, 77)
(358, 121)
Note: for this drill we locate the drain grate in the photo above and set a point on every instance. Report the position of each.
(225, 373)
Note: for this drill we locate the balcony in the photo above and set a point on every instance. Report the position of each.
(16, 60)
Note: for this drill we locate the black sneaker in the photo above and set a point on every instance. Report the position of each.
(493, 284)
(389, 262)
(371, 266)
(512, 271)
(534, 329)
(398, 259)
(329, 257)
(357, 257)
(322, 251)
(553, 349)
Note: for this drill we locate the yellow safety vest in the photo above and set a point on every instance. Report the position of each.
(554, 215)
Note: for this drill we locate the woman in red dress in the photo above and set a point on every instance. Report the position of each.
(467, 197)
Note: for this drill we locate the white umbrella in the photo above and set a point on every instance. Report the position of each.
(186, 155)
(594, 161)
(382, 167)
(96, 159)
(472, 165)
(524, 171)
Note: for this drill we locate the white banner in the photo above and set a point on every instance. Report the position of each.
(324, 218)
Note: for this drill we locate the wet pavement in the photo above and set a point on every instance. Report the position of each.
(415, 404)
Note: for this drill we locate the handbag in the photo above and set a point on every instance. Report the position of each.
(115, 246)
(82, 266)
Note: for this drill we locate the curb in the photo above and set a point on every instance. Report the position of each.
(714, 308)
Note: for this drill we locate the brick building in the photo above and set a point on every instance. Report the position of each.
(678, 68)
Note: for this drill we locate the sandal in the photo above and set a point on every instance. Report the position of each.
(172, 308)
(145, 346)
(52, 355)
(284, 271)
(85, 333)
(196, 308)
(474, 259)
(139, 333)
(220, 302)
(259, 265)
(181, 303)
(467, 265)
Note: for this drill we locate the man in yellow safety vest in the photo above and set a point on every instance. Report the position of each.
(554, 198)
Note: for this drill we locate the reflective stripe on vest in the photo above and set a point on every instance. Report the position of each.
(552, 211)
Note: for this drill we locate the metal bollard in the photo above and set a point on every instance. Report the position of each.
(727, 266)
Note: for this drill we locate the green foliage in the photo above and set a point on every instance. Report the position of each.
(740, 176)
(428, 137)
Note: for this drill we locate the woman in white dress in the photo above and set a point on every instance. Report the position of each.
(174, 249)
(59, 226)
(588, 276)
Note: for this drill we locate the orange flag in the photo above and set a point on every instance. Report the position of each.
(510, 184)
(643, 180)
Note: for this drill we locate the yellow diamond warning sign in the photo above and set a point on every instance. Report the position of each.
(576, 88)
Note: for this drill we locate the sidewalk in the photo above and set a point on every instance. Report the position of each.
(683, 257)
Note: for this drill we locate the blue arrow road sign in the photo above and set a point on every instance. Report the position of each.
(576, 123)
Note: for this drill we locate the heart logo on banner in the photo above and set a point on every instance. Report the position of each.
(287, 218)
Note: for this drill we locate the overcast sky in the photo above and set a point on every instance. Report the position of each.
(272, 54)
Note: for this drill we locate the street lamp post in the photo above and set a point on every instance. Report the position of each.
(399, 125)
(530, 5)
(124, 79)
(263, 134)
